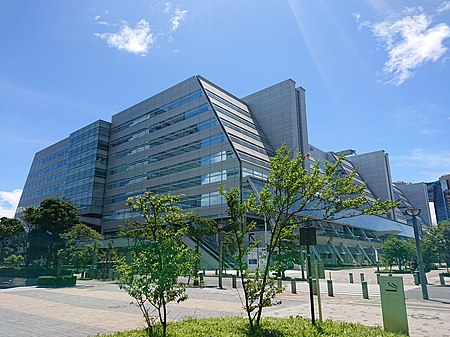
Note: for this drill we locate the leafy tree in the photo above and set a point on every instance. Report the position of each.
(81, 245)
(289, 196)
(159, 256)
(397, 251)
(437, 243)
(198, 229)
(45, 224)
(12, 235)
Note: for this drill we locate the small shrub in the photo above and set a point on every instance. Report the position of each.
(57, 281)
(8, 272)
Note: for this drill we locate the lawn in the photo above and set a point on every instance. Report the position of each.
(270, 327)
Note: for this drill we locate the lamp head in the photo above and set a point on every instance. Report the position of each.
(413, 211)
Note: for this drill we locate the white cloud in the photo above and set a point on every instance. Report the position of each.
(410, 40)
(167, 7)
(445, 6)
(136, 40)
(177, 17)
(429, 166)
(9, 202)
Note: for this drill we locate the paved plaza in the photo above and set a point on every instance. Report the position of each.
(94, 307)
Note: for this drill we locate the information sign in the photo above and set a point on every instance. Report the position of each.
(393, 304)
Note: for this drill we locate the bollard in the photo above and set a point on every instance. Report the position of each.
(441, 279)
(378, 278)
(293, 286)
(201, 276)
(216, 272)
(416, 278)
(361, 276)
(330, 288)
(237, 272)
(350, 277)
(314, 286)
(233, 281)
(365, 290)
(279, 282)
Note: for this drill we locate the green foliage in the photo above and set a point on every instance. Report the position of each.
(436, 243)
(236, 327)
(14, 261)
(32, 271)
(159, 256)
(258, 291)
(397, 251)
(286, 200)
(56, 281)
(45, 225)
(81, 245)
(12, 236)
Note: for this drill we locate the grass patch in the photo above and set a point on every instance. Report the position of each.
(270, 327)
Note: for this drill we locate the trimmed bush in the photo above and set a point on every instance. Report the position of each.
(8, 272)
(32, 272)
(56, 281)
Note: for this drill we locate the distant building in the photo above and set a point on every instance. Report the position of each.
(194, 137)
(439, 197)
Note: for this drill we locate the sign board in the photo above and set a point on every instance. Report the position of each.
(308, 236)
(393, 304)
(256, 259)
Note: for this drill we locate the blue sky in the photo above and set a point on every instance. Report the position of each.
(376, 72)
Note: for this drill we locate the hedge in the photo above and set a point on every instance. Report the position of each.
(32, 272)
(56, 281)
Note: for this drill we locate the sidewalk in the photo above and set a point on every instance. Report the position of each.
(94, 307)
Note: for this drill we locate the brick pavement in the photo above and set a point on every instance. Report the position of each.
(94, 307)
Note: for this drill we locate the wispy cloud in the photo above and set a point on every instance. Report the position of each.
(8, 202)
(136, 40)
(177, 17)
(429, 166)
(410, 39)
(100, 22)
(445, 6)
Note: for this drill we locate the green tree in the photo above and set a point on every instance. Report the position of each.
(82, 244)
(289, 196)
(437, 243)
(397, 251)
(198, 229)
(159, 256)
(45, 224)
(12, 236)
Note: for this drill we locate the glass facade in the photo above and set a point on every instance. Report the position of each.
(189, 140)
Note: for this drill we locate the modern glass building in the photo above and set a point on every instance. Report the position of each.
(189, 140)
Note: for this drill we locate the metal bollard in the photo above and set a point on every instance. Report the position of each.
(330, 288)
(441, 279)
(361, 276)
(314, 286)
(216, 272)
(201, 276)
(350, 277)
(365, 290)
(378, 278)
(233, 281)
(416, 278)
(293, 286)
(279, 282)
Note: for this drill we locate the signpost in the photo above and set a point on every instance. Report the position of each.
(393, 304)
(308, 238)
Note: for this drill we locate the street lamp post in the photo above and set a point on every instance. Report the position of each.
(414, 212)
